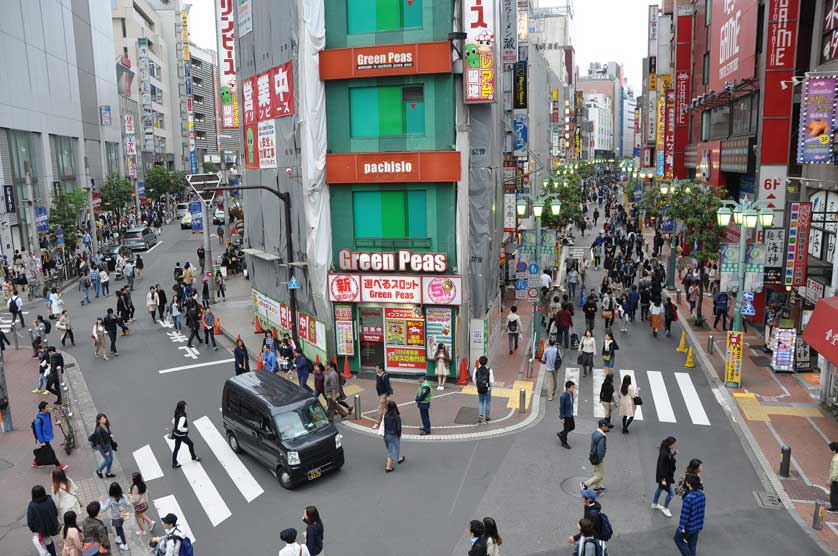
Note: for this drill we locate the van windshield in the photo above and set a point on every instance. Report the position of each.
(303, 420)
(133, 235)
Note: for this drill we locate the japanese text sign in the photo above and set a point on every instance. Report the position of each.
(509, 37)
(798, 240)
(733, 358)
(396, 288)
(226, 39)
(732, 41)
(479, 52)
(817, 120)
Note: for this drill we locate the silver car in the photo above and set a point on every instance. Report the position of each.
(139, 238)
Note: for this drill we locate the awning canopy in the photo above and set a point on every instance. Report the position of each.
(821, 332)
(259, 254)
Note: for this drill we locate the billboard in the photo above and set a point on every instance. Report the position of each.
(780, 46)
(817, 120)
(653, 30)
(145, 94)
(660, 134)
(479, 25)
(509, 37)
(226, 38)
(797, 253)
(519, 133)
(519, 86)
(733, 35)
(669, 136)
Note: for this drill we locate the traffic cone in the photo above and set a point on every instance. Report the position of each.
(238, 337)
(317, 359)
(273, 330)
(346, 372)
(462, 378)
(690, 362)
(682, 347)
(540, 351)
(259, 364)
(217, 326)
(259, 329)
(335, 360)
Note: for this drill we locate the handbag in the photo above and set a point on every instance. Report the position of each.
(606, 357)
(638, 400)
(140, 507)
(607, 314)
(579, 359)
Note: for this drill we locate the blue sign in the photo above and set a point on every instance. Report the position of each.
(659, 163)
(748, 296)
(519, 133)
(141, 189)
(293, 283)
(193, 161)
(41, 219)
(533, 268)
(638, 192)
(666, 221)
(521, 266)
(520, 284)
(59, 236)
(197, 222)
(748, 310)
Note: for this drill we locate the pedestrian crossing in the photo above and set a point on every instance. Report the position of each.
(661, 392)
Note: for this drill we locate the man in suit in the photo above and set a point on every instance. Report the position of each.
(477, 538)
(566, 412)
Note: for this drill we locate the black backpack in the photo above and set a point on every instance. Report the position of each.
(47, 327)
(512, 326)
(481, 379)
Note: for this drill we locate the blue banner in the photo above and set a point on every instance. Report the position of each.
(638, 192)
(519, 133)
(141, 189)
(659, 157)
(666, 221)
(41, 219)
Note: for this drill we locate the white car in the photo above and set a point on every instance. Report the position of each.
(181, 210)
(186, 221)
(218, 216)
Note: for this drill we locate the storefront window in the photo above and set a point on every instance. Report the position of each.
(824, 225)
(112, 153)
(390, 215)
(20, 147)
(371, 16)
(387, 111)
(720, 122)
(743, 120)
(64, 160)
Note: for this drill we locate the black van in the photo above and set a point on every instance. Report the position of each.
(282, 425)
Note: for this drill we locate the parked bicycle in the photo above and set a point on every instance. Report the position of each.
(64, 420)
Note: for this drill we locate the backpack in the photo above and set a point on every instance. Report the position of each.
(593, 457)
(47, 327)
(34, 431)
(605, 529)
(86, 283)
(13, 308)
(186, 547)
(512, 326)
(481, 380)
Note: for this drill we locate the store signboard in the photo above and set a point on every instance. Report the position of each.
(817, 120)
(145, 94)
(509, 32)
(651, 119)
(510, 217)
(479, 75)
(780, 45)
(653, 30)
(278, 314)
(775, 248)
(393, 167)
(814, 291)
(519, 133)
(245, 17)
(733, 358)
(439, 324)
(660, 135)
(797, 245)
(267, 144)
(404, 338)
(226, 40)
(669, 137)
(379, 61)
(344, 330)
(396, 288)
(783, 349)
(733, 31)
(519, 85)
(754, 267)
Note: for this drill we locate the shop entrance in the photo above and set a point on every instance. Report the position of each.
(372, 336)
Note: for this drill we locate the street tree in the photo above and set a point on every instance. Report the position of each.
(568, 190)
(65, 214)
(158, 182)
(117, 193)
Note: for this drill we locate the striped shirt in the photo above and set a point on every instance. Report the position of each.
(692, 512)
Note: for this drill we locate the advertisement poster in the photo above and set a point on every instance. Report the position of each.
(660, 136)
(519, 133)
(404, 338)
(282, 90)
(267, 144)
(754, 267)
(775, 247)
(249, 101)
(509, 37)
(733, 358)
(519, 86)
(438, 327)
(797, 245)
(783, 347)
(226, 39)
(245, 17)
(817, 115)
(780, 45)
(41, 219)
(669, 137)
(251, 132)
(145, 95)
(479, 25)
(415, 332)
(733, 41)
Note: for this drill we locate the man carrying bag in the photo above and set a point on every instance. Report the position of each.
(42, 429)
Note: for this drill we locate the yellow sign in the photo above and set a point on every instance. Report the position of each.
(733, 358)
(653, 82)
(184, 33)
(664, 82)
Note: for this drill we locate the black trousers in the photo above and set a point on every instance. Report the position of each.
(209, 334)
(723, 316)
(569, 425)
(833, 494)
(112, 336)
(68, 332)
(54, 386)
(185, 440)
(196, 333)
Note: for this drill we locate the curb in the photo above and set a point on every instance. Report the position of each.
(755, 454)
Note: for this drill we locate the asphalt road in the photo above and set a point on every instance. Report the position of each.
(526, 481)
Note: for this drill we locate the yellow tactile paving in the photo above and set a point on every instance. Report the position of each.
(756, 411)
(511, 394)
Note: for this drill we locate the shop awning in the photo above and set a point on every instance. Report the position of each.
(259, 254)
(821, 332)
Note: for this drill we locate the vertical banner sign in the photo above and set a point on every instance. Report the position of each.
(282, 90)
(187, 74)
(226, 38)
(509, 45)
(733, 358)
(145, 95)
(775, 246)
(479, 22)
(798, 241)
(651, 119)
(519, 86)
(683, 58)
(245, 17)
(817, 120)
(519, 133)
(733, 35)
(660, 135)
(653, 30)
(130, 145)
(438, 327)
(509, 214)
(344, 330)
(267, 144)
(669, 138)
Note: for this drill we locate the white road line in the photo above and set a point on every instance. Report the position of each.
(231, 463)
(214, 506)
(195, 366)
(147, 464)
(662, 404)
(599, 378)
(572, 373)
(169, 505)
(638, 413)
(156, 245)
(697, 414)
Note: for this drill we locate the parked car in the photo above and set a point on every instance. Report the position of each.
(186, 222)
(181, 210)
(139, 238)
(219, 216)
(111, 250)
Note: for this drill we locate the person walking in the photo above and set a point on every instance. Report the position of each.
(833, 479)
(162, 302)
(590, 310)
(513, 326)
(442, 360)
(383, 390)
(655, 317)
(302, 366)
(493, 538)
(588, 544)
(94, 534)
(42, 519)
(292, 547)
(566, 412)
(110, 323)
(606, 396)
(720, 305)
(596, 457)
(173, 538)
(670, 313)
(202, 257)
(44, 434)
(95, 280)
(180, 434)
(665, 475)
(117, 504)
(56, 304)
(105, 281)
(331, 385)
(552, 360)
(97, 335)
(219, 286)
(692, 518)
(242, 360)
(572, 282)
(16, 308)
(71, 535)
(66, 328)
(587, 350)
(564, 322)
(65, 494)
(174, 310)
(423, 402)
(591, 510)
(104, 443)
(608, 308)
(392, 435)
(139, 265)
(193, 322)
(152, 300)
(128, 272)
(314, 530)
(628, 402)
(205, 293)
(609, 350)
(477, 538)
(208, 324)
(138, 496)
(483, 378)
(219, 231)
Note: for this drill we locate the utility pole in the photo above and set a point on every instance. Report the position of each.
(204, 186)
(5, 412)
(32, 231)
(88, 189)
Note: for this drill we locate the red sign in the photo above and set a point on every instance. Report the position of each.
(780, 47)
(732, 41)
(376, 61)
(683, 57)
(395, 167)
(282, 90)
(822, 331)
(97, 202)
(669, 136)
(797, 252)
(344, 287)
(444, 289)
(249, 100)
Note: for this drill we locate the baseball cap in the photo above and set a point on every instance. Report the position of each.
(603, 422)
(589, 493)
(170, 519)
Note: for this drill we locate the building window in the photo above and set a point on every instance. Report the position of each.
(387, 111)
(63, 160)
(705, 70)
(705, 125)
(741, 120)
(720, 122)
(112, 156)
(197, 63)
(197, 81)
(202, 135)
(824, 225)
(21, 151)
(373, 16)
(198, 99)
(199, 118)
(390, 214)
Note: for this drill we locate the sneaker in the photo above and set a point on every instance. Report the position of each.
(832, 510)
(665, 511)
(36, 391)
(440, 387)
(35, 464)
(123, 547)
(63, 466)
(655, 507)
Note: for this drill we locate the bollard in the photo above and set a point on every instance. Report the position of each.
(817, 517)
(710, 343)
(522, 401)
(678, 297)
(14, 334)
(357, 407)
(785, 461)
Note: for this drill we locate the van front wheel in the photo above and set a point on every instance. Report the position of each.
(284, 478)
(233, 442)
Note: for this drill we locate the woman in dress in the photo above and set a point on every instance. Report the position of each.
(627, 406)
(56, 304)
(64, 493)
(443, 359)
(587, 350)
(138, 496)
(70, 535)
(98, 337)
(656, 317)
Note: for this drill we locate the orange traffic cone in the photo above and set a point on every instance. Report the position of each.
(238, 337)
(317, 359)
(335, 360)
(540, 352)
(259, 329)
(217, 326)
(346, 372)
(259, 364)
(462, 378)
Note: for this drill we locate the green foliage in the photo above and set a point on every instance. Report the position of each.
(210, 167)
(158, 182)
(179, 183)
(65, 212)
(568, 189)
(116, 193)
(650, 201)
(695, 208)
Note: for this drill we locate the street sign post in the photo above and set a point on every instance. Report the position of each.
(204, 187)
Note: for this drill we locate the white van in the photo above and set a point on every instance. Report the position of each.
(181, 210)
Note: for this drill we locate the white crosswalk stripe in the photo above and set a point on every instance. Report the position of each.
(231, 463)
(572, 373)
(599, 378)
(147, 464)
(660, 397)
(214, 506)
(638, 413)
(696, 410)
(169, 505)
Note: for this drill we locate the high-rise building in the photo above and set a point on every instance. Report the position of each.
(607, 79)
(601, 116)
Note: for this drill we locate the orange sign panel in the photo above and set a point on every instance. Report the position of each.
(397, 167)
(376, 61)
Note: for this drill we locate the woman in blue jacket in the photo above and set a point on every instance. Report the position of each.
(314, 530)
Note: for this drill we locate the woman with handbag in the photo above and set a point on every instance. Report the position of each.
(138, 496)
(609, 350)
(587, 350)
(655, 317)
(98, 337)
(102, 440)
(42, 519)
(665, 475)
(117, 503)
(628, 405)
(66, 328)
(608, 309)
(64, 493)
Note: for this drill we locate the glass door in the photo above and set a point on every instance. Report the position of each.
(371, 336)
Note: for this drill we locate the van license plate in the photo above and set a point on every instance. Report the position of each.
(313, 474)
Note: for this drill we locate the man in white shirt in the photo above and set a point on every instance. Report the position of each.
(546, 280)
(292, 547)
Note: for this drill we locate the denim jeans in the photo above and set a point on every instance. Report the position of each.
(86, 297)
(177, 321)
(393, 445)
(669, 494)
(484, 404)
(563, 336)
(513, 338)
(609, 364)
(107, 460)
(96, 286)
(687, 548)
(106, 288)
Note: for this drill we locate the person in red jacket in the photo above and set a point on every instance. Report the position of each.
(564, 321)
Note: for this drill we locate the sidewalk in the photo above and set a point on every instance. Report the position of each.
(453, 411)
(773, 410)
(17, 476)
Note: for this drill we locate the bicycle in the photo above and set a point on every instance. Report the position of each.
(64, 420)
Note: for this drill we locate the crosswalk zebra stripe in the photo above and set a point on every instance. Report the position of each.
(694, 407)
(231, 463)
(638, 413)
(169, 505)
(214, 506)
(662, 404)
(572, 373)
(147, 464)
(599, 378)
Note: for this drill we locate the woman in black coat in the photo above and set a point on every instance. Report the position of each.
(665, 475)
(42, 517)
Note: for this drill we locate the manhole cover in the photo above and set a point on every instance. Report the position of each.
(768, 500)
(761, 360)
(571, 486)
(466, 416)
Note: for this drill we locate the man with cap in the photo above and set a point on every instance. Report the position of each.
(292, 547)
(592, 509)
(168, 544)
(596, 457)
